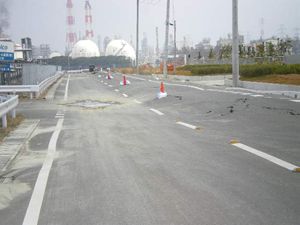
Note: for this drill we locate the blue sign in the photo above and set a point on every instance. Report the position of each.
(6, 56)
(6, 67)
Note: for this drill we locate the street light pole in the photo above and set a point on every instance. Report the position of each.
(167, 40)
(235, 44)
(137, 36)
(175, 47)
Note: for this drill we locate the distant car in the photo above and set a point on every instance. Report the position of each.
(92, 68)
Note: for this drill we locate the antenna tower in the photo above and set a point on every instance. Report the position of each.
(71, 35)
(89, 33)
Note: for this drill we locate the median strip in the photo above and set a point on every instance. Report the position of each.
(157, 112)
(266, 156)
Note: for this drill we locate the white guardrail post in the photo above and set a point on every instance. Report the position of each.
(8, 106)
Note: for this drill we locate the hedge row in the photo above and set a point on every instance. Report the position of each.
(245, 70)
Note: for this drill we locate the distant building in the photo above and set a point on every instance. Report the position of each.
(27, 49)
(45, 51)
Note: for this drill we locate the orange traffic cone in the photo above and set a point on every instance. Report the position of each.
(162, 92)
(162, 87)
(125, 81)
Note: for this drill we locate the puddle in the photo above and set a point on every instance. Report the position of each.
(92, 104)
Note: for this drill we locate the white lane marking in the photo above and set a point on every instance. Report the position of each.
(138, 102)
(157, 112)
(187, 125)
(35, 204)
(106, 83)
(295, 101)
(268, 97)
(195, 87)
(59, 117)
(126, 96)
(116, 90)
(101, 81)
(110, 86)
(266, 156)
(255, 96)
(136, 78)
(67, 88)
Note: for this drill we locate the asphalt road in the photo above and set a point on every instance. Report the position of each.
(144, 161)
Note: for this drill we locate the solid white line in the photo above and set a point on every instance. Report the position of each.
(116, 90)
(157, 112)
(295, 101)
(105, 83)
(126, 96)
(266, 156)
(67, 88)
(187, 125)
(110, 86)
(255, 96)
(35, 204)
(136, 101)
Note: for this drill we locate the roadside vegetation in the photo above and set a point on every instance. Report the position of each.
(252, 70)
(11, 125)
(270, 73)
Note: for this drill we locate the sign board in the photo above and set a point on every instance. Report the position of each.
(6, 51)
(6, 67)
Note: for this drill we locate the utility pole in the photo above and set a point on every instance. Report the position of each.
(137, 36)
(167, 40)
(235, 44)
(175, 47)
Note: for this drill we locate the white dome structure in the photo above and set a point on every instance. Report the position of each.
(85, 48)
(120, 48)
(54, 54)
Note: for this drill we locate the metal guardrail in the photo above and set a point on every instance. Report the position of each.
(8, 106)
(32, 89)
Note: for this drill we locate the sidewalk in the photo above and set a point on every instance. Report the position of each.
(12, 144)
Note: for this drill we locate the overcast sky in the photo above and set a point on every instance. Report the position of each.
(45, 20)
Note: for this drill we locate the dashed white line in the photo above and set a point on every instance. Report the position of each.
(110, 86)
(106, 83)
(266, 156)
(157, 112)
(35, 204)
(138, 102)
(67, 88)
(295, 101)
(187, 125)
(136, 78)
(117, 90)
(195, 87)
(126, 96)
(255, 96)
(101, 81)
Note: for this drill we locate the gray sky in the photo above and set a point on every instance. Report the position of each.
(45, 20)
